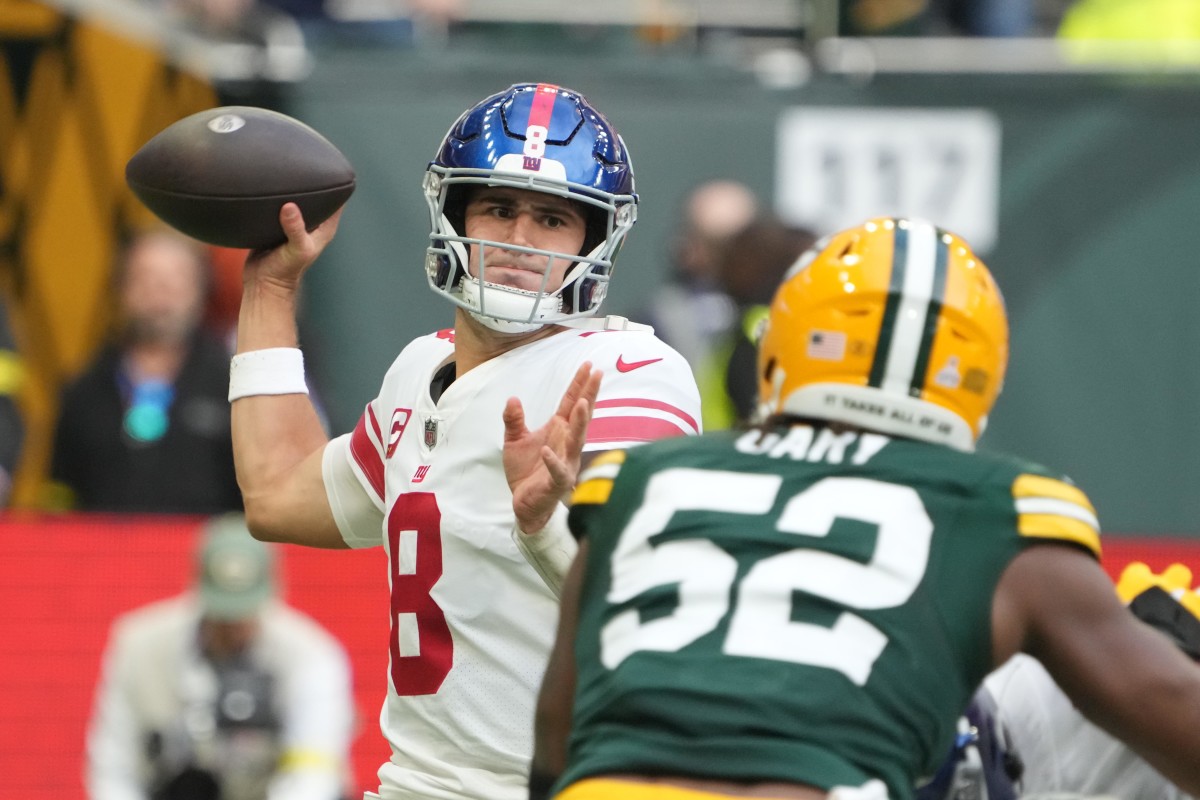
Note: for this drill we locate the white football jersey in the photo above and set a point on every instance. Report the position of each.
(1064, 755)
(471, 622)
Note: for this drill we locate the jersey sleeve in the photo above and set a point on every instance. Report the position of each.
(593, 489)
(648, 392)
(352, 470)
(1051, 509)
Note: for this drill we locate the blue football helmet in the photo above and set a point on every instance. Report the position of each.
(543, 138)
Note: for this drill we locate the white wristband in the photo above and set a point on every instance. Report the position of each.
(549, 551)
(276, 370)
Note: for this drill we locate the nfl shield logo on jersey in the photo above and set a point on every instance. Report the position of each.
(431, 431)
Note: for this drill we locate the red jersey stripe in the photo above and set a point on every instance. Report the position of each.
(366, 451)
(631, 429)
(638, 402)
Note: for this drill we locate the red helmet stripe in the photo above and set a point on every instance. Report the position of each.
(543, 105)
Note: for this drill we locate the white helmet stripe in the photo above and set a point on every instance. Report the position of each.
(916, 255)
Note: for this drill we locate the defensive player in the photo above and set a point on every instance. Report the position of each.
(803, 610)
(458, 467)
(1032, 742)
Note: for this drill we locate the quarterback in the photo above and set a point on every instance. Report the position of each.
(803, 610)
(459, 465)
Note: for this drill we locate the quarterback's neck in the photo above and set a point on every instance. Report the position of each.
(475, 343)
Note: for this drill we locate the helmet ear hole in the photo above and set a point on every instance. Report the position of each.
(769, 370)
(454, 209)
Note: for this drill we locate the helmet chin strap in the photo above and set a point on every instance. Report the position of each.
(508, 303)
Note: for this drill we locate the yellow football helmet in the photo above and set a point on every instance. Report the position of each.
(894, 325)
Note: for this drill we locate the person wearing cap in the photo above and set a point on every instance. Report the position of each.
(222, 692)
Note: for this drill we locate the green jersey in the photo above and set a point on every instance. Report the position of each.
(804, 605)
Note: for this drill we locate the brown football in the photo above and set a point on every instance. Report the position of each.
(222, 175)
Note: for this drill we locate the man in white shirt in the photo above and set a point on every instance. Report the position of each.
(460, 464)
(223, 692)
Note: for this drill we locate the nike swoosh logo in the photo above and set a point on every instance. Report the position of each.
(630, 366)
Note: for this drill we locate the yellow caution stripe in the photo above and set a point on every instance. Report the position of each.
(300, 759)
(12, 372)
(1048, 508)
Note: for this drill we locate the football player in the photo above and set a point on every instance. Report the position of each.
(459, 466)
(803, 610)
(1033, 742)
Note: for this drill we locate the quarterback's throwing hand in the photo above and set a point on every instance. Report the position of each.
(542, 465)
(284, 265)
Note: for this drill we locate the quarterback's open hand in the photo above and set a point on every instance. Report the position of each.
(542, 465)
(284, 265)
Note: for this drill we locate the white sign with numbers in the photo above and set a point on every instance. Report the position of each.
(839, 166)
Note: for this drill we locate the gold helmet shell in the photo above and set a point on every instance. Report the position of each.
(894, 325)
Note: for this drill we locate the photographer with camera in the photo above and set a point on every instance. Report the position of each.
(222, 693)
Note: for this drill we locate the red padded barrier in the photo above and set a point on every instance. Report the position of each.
(64, 578)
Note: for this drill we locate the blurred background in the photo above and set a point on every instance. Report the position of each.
(1058, 136)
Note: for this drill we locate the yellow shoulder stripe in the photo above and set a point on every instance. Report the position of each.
(1041, 486)
(595, 482)
(594, 492)
(1053, 526)
(1048, 508)
(605, 458)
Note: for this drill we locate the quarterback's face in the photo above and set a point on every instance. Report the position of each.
(527, 219)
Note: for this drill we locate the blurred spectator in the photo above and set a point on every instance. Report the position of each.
(883, 17)
(988, 17)
(751, 268)
(223, 692)
(12, 427)
(935, 17)
(146, 426)
(253, 50)
(690, 311)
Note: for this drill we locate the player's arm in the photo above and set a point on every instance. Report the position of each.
(1056, 603)
(278, 438)
(552, 723)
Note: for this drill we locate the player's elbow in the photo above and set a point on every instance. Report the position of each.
(262, 520)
